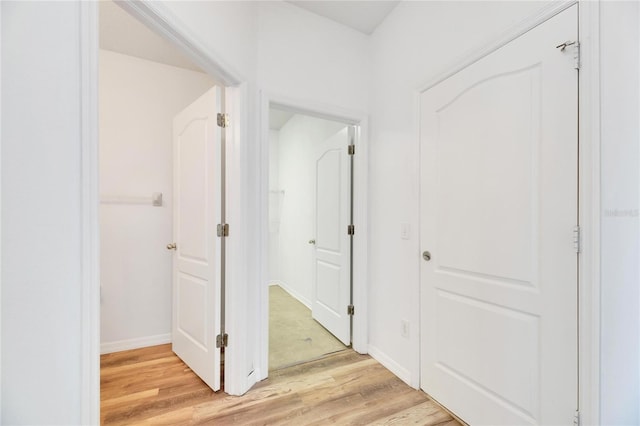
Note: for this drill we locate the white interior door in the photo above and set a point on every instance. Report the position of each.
(197, 208)
(498, 210)
(331, 294)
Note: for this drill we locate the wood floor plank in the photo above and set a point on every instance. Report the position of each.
(129, 399)
(152, 386)
(427, 411)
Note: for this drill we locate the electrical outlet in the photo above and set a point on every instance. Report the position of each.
(404, 328)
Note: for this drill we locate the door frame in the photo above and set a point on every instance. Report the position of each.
(360, 216)
(589, 205)
(155, 16)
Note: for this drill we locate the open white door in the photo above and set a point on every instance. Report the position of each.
(498, 215)
(332, 285)
(197, 210)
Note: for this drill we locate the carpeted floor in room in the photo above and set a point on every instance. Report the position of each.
(294, 336)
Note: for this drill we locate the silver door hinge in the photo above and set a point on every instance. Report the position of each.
(577, 239)
(352, 149)
(223, 230)
(351, 310)
(223, 120)
(222, 340)
(576, 418)
(575, 47)
(351, 230)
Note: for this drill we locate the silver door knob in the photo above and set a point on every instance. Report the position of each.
(172, 246)
(312, 241)
(426, 256)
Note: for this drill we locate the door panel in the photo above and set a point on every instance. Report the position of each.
(197, 207)
(498, 208)
(328, 181)
(332, 285)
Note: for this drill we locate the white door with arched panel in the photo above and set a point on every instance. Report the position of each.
(197, 211)
(499, 180)
(332, 258)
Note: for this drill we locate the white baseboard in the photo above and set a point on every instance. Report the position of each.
(140, 342)
(275, 282)
(402, 373)
(306, 302)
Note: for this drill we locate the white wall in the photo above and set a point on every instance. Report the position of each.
(227, 29)
(41, 214)
(138, 100)
(415, 43)
(275, 207)
(302, 56)
(620, 186)
(297, 143)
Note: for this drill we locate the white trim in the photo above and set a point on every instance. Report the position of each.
(590, 207)
(361, 169)
(139, 342)
(0, 214)
(402, 373)
(90, 261)
(360, 338)
(475, 54)
(238, 354)
(155, 16)
(306, 302)
(262, 338)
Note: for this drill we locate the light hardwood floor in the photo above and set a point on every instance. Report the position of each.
(153, 386)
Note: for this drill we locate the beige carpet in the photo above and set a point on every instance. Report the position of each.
(294, 336)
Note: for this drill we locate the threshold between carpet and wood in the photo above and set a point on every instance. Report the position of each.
(152, 386)
(294, 336)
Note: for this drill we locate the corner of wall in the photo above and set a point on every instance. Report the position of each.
(390, 364)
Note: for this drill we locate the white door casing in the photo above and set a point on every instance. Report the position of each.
(332, 262)
(498, 209)
(197, 211)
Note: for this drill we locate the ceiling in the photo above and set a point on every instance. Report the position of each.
(363, 16)
(121, 32)
(278, 118)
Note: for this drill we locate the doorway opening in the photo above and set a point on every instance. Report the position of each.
(309, 245)
(162, 180)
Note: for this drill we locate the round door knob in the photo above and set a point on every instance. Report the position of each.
(312, 241)
(426, 256)
(172, 246)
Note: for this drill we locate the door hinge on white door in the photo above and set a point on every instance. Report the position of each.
(223, 120)
(351, 230)
(576, 54)
(351, 310)
(222, 340)
(576, 418)
(223, 230)
(577, 239)
(352, 149)
(575, 47)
